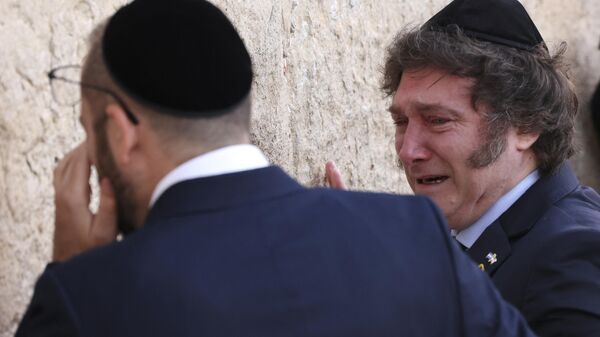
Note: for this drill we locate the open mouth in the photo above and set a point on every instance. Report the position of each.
(431, 180)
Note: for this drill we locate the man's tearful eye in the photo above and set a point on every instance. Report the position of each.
(430, 180)
(439, 121)
(399, 121)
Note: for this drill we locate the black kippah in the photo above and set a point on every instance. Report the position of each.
(183, 57)
(504, 22)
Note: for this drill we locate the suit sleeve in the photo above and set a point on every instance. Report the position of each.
(48, 313)
(484, 313)
(563, 294)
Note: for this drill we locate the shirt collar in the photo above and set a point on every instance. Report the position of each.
(229, 159)
(469, 235)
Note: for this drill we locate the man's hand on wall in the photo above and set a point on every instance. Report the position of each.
(77, 229)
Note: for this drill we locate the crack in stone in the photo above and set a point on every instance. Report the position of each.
(31, 169)
(271, 16)
(52, 44)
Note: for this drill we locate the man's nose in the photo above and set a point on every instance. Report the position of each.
(411, 145)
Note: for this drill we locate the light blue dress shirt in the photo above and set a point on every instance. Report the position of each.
(469, 235)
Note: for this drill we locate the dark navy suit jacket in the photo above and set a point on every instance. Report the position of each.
(546, 256)
(256, 254)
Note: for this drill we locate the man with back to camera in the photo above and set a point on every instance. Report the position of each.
(484, 121)
(217, 242)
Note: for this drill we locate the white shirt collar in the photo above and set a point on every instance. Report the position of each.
(469, 235)
(229, 159)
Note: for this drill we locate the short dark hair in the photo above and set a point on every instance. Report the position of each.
(528, 90)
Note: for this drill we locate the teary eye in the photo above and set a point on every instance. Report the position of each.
(438, 120)
(399, 120)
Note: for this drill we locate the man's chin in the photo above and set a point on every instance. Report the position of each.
(441, 201)
(428, 192)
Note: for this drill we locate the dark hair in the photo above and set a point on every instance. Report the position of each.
(528, 90)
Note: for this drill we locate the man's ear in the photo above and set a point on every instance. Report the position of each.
(526, 140)
(122, 134)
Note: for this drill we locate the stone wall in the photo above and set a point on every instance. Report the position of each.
(318, 65)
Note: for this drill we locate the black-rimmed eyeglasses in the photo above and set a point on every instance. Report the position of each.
(66, 87)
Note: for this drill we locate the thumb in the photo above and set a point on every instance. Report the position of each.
(104, 226)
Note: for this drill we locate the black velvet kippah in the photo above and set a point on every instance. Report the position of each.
(183, 57)
(504, 22)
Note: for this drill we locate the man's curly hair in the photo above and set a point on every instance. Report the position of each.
(527, 90)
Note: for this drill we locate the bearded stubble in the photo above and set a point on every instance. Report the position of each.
(106, 167)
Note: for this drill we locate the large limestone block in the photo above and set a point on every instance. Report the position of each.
(316, 98)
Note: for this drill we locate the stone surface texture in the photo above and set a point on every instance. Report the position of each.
(318, 65)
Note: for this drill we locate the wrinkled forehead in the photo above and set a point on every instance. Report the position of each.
(429, 85)
(432, 76)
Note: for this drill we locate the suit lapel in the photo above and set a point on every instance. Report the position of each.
(491, 249)
(524, 213)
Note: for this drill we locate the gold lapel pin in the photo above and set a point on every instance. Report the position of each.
(482, 267)
(492, 258)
